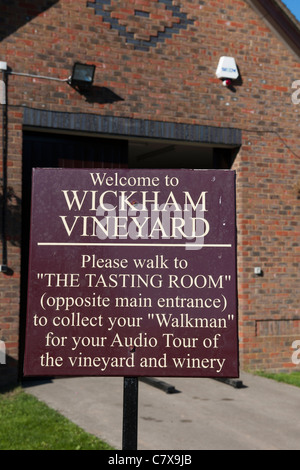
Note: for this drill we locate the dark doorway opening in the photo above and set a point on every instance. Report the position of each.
(172, 155)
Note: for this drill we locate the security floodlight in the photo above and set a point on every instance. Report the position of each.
(82, 75)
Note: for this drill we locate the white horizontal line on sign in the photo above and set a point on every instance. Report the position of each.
(183, 245)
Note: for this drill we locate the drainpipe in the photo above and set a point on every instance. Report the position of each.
(3, 102)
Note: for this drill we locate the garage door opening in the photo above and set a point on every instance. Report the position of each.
(168, 155)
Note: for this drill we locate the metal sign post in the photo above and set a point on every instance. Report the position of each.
(130, 413)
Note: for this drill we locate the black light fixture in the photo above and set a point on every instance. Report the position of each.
(82, 75)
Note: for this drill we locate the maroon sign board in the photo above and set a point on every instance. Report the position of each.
(132, 273)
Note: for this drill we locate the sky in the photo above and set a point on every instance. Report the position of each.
(294, 6)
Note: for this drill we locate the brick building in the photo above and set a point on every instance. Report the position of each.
(156, 102)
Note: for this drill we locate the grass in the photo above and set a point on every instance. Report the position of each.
(29, 424)
(293, 378)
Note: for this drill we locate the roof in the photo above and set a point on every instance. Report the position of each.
(278, 15)
(288, 12)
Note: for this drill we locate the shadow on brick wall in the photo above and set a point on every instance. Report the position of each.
(99, 94)
(13, 216)
(16, 13)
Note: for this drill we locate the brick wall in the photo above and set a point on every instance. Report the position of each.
(158, 59)
(269, 238)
